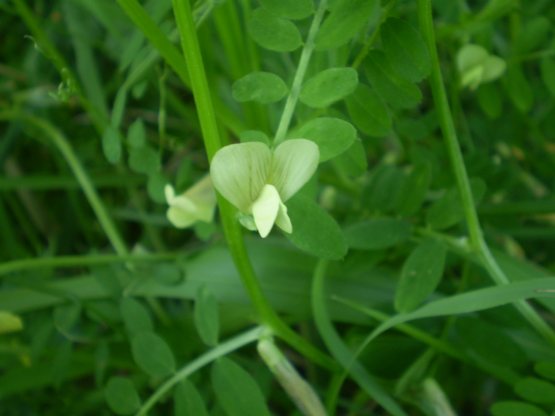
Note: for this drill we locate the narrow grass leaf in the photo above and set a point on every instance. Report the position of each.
(237, 392)
(340, 351)
(473, 301)
(328, 86)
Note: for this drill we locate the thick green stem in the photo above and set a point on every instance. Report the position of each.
(447, 124)
(205, 359)
(293, 97)
(232, 230)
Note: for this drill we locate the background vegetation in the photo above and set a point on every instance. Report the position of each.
(419, 275)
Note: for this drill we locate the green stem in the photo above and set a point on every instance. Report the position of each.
(293, 97)
(79, 261)
(81, 175)
(215, 353)
(232, 230)
(447, 124)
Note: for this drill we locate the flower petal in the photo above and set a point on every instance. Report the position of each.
(293, 164)
(169, 192)
(203, 196)
(265, 209)
(239, 171)
(283, 221)
(180, 218)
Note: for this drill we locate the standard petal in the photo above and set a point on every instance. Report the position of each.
(265, 210)
(293, 164)
(239, 171)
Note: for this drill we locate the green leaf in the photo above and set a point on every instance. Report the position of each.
(155, 187)
(188, 401)
(353, 162)
(136, 135)
(314, 230)
(519, 89)
(144, 159)
(152, 354)
(65, 317)
(272, 32)
(448, 210)
(382, 191)
(535, 390)
(473, 301)
(111, 145)
(341, 352)
(547, 67)
(262, 87)
(237, 392)
(377, 234)
(414, 189)
(533, 34)
(369, 112)
(545, 369)
(497, 348)
(289, 9)
(489, 99)
(332, 135)
(342, 24)
(328, 86)
(513, 408)
(496, 9)
(121, 396)
(135, 316)
(396, 91)
(405, 49)
(206, 315)
(420, 275)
